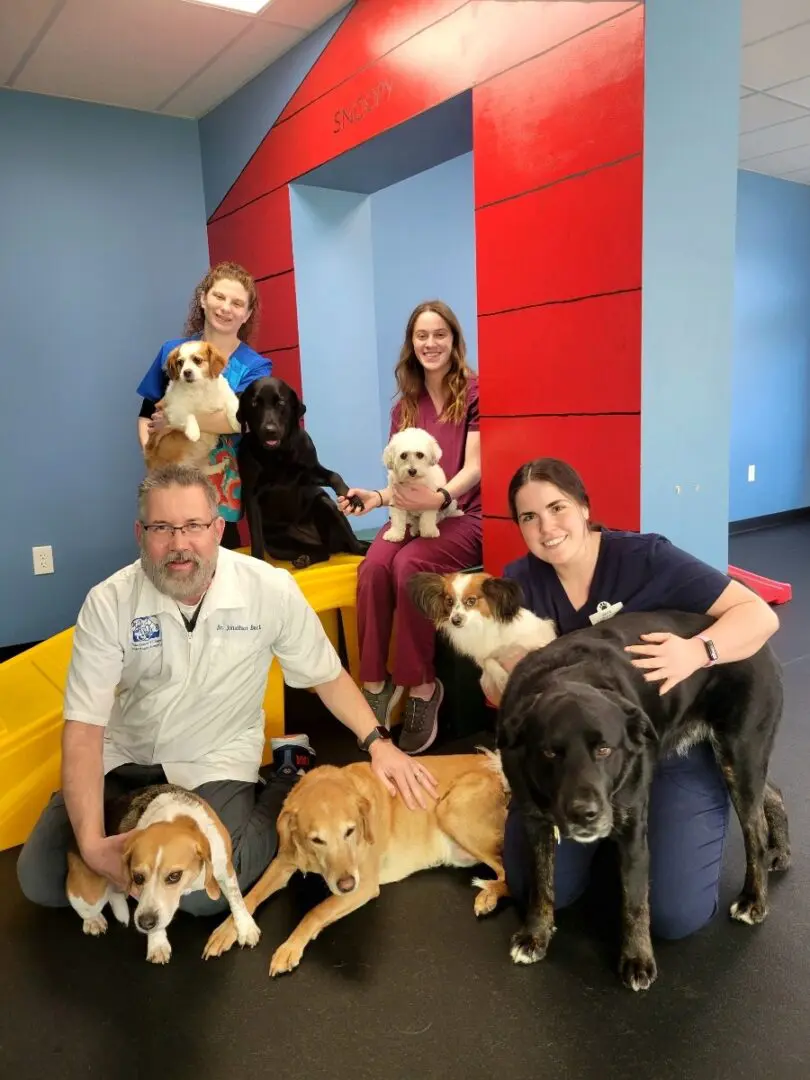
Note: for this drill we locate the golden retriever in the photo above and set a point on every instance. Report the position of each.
(342, 823)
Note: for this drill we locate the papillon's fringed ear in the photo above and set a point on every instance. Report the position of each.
(504, 596)
(427, 594)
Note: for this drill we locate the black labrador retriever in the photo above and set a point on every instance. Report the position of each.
(289, 514)
(580, 732)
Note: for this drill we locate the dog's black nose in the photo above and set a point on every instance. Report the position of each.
(147, 921)
(347, 883)
(188, 375)
(457, 620)
(583, 811)
(411, 472)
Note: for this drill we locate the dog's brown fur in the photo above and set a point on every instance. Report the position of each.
(342, 823)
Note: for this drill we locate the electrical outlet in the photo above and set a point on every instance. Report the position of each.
(43, 559)
(752, 473)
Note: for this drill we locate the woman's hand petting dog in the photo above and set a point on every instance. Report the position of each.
(668, 659)
(348, 503)
(508, 658)
(416, 498)
(401, 773)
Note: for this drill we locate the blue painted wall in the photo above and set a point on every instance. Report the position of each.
(690, 188)
(103, 239)
(232, 132)
(334, 282)
(423, 231)
(770, 418)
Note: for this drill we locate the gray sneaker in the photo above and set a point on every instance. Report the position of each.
(421, 724)
(384, 703)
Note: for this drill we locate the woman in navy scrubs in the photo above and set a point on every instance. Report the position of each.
(224, 311)
(575, 573)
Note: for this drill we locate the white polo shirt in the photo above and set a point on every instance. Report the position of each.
(192, 702)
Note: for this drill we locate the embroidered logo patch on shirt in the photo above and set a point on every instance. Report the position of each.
(145, 632)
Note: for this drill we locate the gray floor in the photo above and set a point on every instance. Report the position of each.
(412, 986)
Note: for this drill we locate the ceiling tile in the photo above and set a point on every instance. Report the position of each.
(772, 139)
(761, 18)
(19, 26)
(776, 60)
(800, 177)
(760, 111)
(306, 14)
(237, 65)
(780, 163)
(798, 91)
(127, 53)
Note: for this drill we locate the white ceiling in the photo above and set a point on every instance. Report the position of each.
(182, 59)
(166, 56)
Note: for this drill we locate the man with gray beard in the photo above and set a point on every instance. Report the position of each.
(167, 682)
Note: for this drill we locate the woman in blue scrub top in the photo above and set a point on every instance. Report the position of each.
(573, 573)
(224, 311)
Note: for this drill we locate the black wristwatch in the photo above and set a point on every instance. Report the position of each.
(378, 732)
(711, 650)
(448, 498)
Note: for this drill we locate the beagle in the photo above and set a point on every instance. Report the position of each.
(177, 845)
(341, 823)
(196, 386)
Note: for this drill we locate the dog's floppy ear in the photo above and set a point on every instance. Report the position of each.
(504, 596)
(245, 403)
(435, 451)
(216, 361)
(172, 364)
(289, 838)
(203, 849)
(389, 455)
(298, 407)
(427, 594)
(364, 813)
(638, 726)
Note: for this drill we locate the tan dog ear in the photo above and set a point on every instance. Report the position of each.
(364, 812)
(204, 855)
(288, 837)
(172, 364)
(216, 361)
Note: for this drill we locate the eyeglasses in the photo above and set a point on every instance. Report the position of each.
(191, 528)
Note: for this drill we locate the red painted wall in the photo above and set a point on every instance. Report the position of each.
(558, 129)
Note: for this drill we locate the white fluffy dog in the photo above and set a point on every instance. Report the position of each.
(412, 456)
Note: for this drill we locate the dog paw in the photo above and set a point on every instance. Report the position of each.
(394, 535)
(778, 859)
(301, 562)
(95, 925)
(222, 939)
(430, 534)
(286, 958)
(120, 908)
(490, 892)
(638, 972)
(356, 503)
(749, 911)
(248, 934)
(159, 954)
(529, 948)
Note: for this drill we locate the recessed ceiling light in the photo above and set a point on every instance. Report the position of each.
(247, 7)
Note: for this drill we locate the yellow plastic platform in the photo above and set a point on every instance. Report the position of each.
(32, 689)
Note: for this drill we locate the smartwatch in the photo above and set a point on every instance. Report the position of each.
(448, 498)
(711, 650)
(378, 732)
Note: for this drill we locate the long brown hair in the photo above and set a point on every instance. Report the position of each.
(195, 323)
(410, 374)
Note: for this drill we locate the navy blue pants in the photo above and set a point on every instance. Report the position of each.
(687, 826)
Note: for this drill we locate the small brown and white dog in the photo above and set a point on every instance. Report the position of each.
(196, 385)
(412, 456)
(342, 823)
(481, 616)
(177, 846)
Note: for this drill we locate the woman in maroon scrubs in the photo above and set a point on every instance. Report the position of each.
(437, 392)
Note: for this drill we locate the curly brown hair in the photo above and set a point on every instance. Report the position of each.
(195, 322)
(410, 374)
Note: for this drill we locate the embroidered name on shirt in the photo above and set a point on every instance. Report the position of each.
(604, 610)
(239, 626)
(145, 632)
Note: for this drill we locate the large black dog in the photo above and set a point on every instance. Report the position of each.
(580, 731)
(289, 514)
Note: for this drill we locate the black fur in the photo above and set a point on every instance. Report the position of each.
(504, 596)
(580, 731)
(289, 514)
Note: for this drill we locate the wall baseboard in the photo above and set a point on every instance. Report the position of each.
(769, 521)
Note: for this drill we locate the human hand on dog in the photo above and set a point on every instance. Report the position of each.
(401, 773)
(668, 658)
(105, 856)
(358, 501)
(157, 421)
(416, 498)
